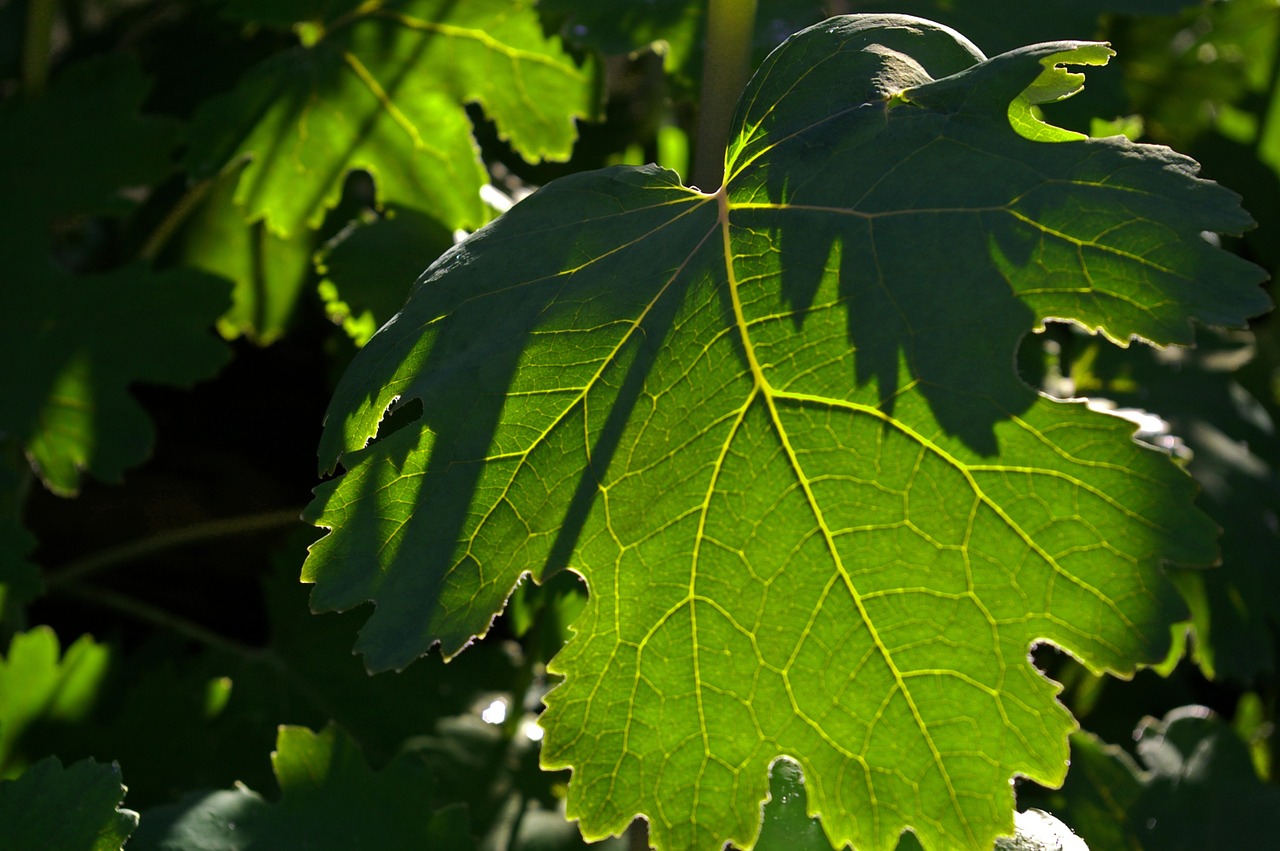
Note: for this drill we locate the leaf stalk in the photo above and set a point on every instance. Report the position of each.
(725, 70)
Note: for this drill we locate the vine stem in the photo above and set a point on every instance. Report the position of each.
(168, 539)
(36, 44)
(725, 69)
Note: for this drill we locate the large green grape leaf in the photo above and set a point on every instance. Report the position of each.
(383, 87)
(778, 430)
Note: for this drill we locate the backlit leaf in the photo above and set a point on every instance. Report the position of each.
(41, 686)
(383, 88)
(778, 430)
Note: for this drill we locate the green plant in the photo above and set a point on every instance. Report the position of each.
(819, 512)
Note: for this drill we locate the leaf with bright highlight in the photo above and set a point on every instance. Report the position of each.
(383, 87)
(778, 430)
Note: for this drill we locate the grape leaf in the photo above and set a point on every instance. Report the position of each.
(329, 799)
(81, 340)
(383, 88)
(778, 431)
(75, 807)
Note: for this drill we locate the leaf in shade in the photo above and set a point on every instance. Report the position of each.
(75, 343)
(1195, 788)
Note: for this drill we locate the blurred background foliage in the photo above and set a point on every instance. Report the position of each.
(211, 204)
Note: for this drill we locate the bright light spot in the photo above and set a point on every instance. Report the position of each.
(494, 713)
(531, 730)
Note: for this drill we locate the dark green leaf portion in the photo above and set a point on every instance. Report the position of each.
(1197, 789)
(369, 267)
(385, 91)
(1233, 455)
(73, 808)
(71, 344)
(785, 824)
(329, 800)
(82, 342)
(71, 152)
(778, 431)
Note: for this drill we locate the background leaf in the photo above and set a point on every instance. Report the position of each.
(43, 687)
(1196, 789)
(82, 340)
(382, 89)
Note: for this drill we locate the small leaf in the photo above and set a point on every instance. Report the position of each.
(383, 88)
(778, 430)
(73, 808)
(368, 268)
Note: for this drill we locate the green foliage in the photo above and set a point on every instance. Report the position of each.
(776, 428)
(83, 339)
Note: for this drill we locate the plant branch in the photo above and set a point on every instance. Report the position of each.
(168, 539)
(725, 70)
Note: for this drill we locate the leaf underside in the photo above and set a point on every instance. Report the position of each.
(778, 430)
